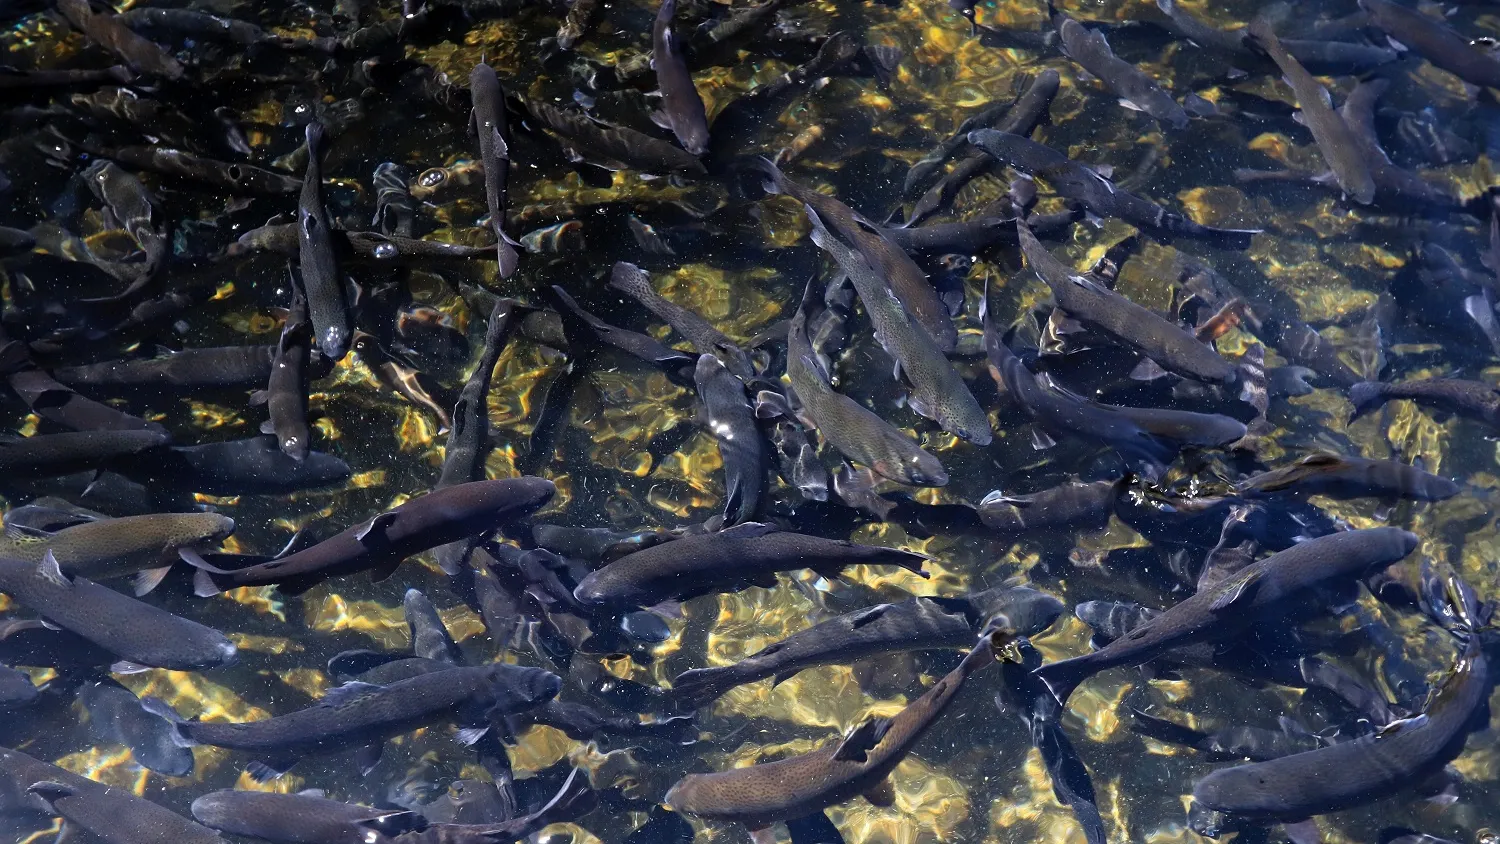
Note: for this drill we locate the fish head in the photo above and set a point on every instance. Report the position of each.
(334, 342)
(517, 687)
(1017, 609)
(920, 469)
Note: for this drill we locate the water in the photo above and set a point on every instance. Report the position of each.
(620, 440)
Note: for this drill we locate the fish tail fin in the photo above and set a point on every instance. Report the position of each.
(1365, 396)
(207, 584)
(1061, 678)
(700, 686)
(158, 707)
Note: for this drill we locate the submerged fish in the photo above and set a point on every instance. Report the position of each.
(1337, 476)
(1471, 399)
(682, 109)
(487, 122)
(298, 818)
(1136, 90)
(322, 280)
(729, 417)
(145, 546)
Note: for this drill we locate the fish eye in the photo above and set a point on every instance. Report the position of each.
(234, 172)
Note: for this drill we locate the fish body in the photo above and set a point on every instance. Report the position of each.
(109, 548)
(1435, 42)
(1102, 309)
(745, 555)
(729, 417)
(636, 283)
(1358, 113)
(321, 279)
(237, 177)
(237, 467)
(116, 717)
(1337, 476)
(109, 32)
(133, 630)
(395, 209)
(286, 384)
(851, 428)
(1070, 506)
(44, 455)
(910, 625)
(1338, 145)
(189, 369)
(360, 714)
(760, 795)
(682, 109)
(620, 146)
(1136, 90)
(1470, 399)
(1207, 430)
(381, 543)
(1361, 770)
(488, 124)
(294, 818)
(468, 435)
(1259, 588)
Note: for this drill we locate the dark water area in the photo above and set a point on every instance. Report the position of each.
(1306, 257)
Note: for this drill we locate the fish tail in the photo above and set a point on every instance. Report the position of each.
(700, 686)
(1061, 678)
(1365, 396)
(207, 584)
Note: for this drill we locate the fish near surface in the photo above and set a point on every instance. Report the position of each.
(1470, 399)
(236, 467)
(44, 455)
(286, 386)
(636, 283)
(1137, 90)
(1337, 476)
(729, 417)
(851, 428)
(380, 544)
(109, 32)
(116, 717)
(1340, 149)
(1264, 586)
(322, 280)
(295, 818)
(1433, 41)
(364, 715)
(682, 109)
(745, 555)
(760, 795)
(106, 548)
(133, 630)
(1069, 506)
(487, 122)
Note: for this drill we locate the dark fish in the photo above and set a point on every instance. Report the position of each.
(929, 169)
(576, 23)
(815, 828)
(380, 544)
(584, 723)
(58, 403)
(399, 377)
(1334, 139)
(135, 631)
(852, 429)
(286, 385)
(1067, 507)
(636, 283)
(429, 638)
(45, 455)
(1259, 588)
(1137, 91)
(1358, 112)
(745, 555)
(797, 458)
(620, 146)
(910, 625)
(15, 242)
(1365, 769)
(760, 795)
(1029, 109)
(12, 78)
(936, 389)
(1433, 41)
(1327, 56)
(109, 32)
(395, 210)
(322, 281)
(487, 122)
(132, 208)
(1337, 476)
(1104, 310)
(896, 270)
(729, 418)
(361, 715)
(1233, 742)
(235, 177)
(639, 345)
(682, 109)
(189, 369)
(237, 467)
(16, 689)
(33, 643)
(145, 546)
(116, 717)
(1470, 399)
(190, 24)
(1056, 411)
(359, 247)
(574, 799)
(297, 818)
(1206, 430)
(1081, 183)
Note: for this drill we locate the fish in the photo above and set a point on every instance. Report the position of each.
(143, 546)
(1363, 769)
(1067, 507)
(236, 177)
(1469, 399)
(379, 544)
(132, 208)
(116, 717)
(47, 455)
(202, 25)
(322, 282)
(487, 123)
(620, 147)
(937, 392)
(107, 30)
(1104, 310)
(926, 171)
(429, 637)
(399, 377)
(105, 813)
(1232, 742)
(256, 465)
(362, 715)
(134, 631)
(815, 828)
(1056, 411)
(359, 247)
(395, 210)
(1261, 587)
(1190, 428)
(60, 404)
(909, 625)
(748, 554)
(638, 345)
(1335, 141)
(898, 272)
(286, 384)
(707, 340)
(12, 78)
(576, 22)
(760, 795)
(188, 369)
(1338, 476)
(299, 818)
(1335, 57)
(1429, 38)
(1358, 113)
(1137, 91)
(682, 111)
(852, 429)
(796, 458)
(1083, 184)
(573, 798)
(729, 418)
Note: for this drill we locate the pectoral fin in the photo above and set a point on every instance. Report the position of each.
(375, 530)
(862, 739)
(1239, 589)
